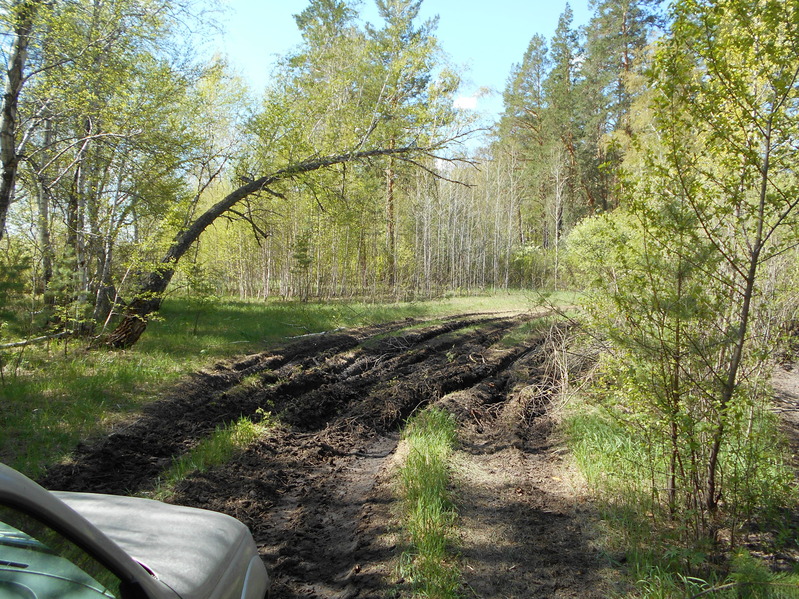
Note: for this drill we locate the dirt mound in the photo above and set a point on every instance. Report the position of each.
(316, 490)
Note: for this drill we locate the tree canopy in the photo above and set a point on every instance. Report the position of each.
(646, 160)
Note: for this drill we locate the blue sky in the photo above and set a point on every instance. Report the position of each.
(483, 38)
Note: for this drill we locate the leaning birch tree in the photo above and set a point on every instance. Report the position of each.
(149, 292)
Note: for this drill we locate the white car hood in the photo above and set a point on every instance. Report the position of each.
(195, 552)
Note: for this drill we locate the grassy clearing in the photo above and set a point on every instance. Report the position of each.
(212, 451)
(238, 324)
(54, 395)
(636, 531)
(429, 515)
(61, 393)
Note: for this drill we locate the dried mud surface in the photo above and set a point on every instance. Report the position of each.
(316, 490)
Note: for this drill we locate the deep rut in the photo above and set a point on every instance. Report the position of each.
(309, 488)
(308, 382)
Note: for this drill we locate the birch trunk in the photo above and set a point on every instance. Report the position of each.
(9, 116)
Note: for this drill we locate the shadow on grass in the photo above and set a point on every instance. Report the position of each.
(60, 394)
(240, 326)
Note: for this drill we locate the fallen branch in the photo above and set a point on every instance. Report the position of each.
(34, 340)
(732, 585)
(315, 334)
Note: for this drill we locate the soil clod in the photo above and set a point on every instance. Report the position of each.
(316, 490)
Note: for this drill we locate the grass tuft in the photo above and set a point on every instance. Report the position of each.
(429, 514)
(212, 451)
(56, 394)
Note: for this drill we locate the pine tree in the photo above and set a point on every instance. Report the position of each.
(616, 43)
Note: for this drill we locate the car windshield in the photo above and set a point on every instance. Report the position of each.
(11, 537)
(37, 561)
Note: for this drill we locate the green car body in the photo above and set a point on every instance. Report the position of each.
(60, 545)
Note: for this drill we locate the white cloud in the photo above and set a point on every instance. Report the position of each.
(465, 102)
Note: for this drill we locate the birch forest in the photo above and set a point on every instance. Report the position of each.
(133, 169)
(646, 160)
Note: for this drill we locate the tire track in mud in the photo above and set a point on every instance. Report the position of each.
(130, 459)
(320, 516)
(312, 490)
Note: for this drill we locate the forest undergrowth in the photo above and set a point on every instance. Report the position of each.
(750, 549)
(58, 393)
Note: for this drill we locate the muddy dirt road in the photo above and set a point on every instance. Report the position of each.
(317, 491)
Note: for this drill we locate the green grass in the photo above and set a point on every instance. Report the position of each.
(58, 397)
(234, 325)
(637, 531)
(429, 514)
(54, 395)
(214, 450)
(607, 457)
